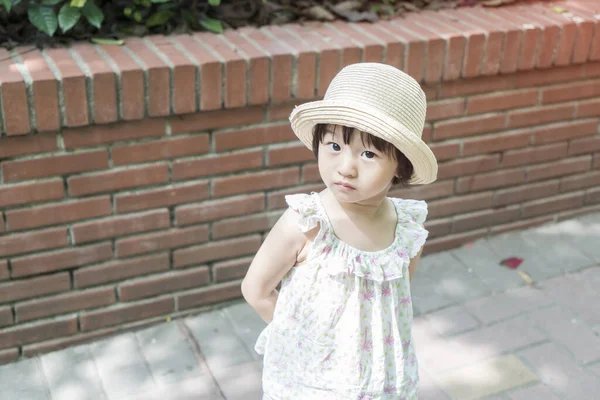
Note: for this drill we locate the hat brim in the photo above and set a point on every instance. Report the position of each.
(367, 119)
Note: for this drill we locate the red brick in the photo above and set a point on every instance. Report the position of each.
(34, 287)
(490, 180)
(163, 284)
(559, 168)
(116, 180)
(9, 356)
(553, 204)
(415, 49)
(29, 193)
(592, 196)
(596, 161)
(551, 33)
(15, 112)
(350, 52)
(4, 275)
(583, 42)
(524, 193)
(393, 47)
(161, 240)
(571, 91)
(289, 154)
(501, 101)
(452, 241)
(231, 269)
(445, 109)
(520, 225)
(66, 303)
(218, 209)
(487, 84)
(495, 143)
(183, 75)
(281, 63)
(209, 120)
(45, 90)
(217, 164)
(120, 270)
(548, 77)
(310, 173)
(73, 87)
(565, 131)
(235, 69)
(157, 77)
(585, 145)
(252, 182)
(258, 66)
(531, 39)
(276, 199)
(468, 126)
(58, 213)
(163, 197)
(468, 166)
(244, 225)
(591, 70)
(33, 241)
(211, 76)
(30, 144)
(250, 137)
(425, 192)
(210, 295)
(591, 179)
(306, 62)
(30, 333)
(131, 81)
(372, 48)
(445, 151)
(216, 250)
(458, 204)
(485, 218)
(160, 150)
(329, 54)
(103, 83)
(120, 226)
(121, 314)
(534, 155)
(103, 134)
(6, 316)
(56, 165)
(59, 260)
(563, 50)
(438, 227)
(588, 109)
(540, 115)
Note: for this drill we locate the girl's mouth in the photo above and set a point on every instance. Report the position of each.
(344, 186)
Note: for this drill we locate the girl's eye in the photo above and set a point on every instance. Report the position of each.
(369, 154)
(334, 147)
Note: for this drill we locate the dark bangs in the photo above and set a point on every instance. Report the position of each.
(405, 168)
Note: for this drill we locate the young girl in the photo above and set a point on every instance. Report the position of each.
(340, 326)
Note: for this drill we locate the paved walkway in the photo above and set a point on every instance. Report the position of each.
(482, 333)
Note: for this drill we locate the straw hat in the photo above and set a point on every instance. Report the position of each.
(378, 99)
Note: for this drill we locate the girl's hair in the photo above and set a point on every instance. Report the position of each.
(405, 168)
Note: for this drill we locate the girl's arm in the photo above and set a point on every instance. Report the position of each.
(413, 264)
(274, 259)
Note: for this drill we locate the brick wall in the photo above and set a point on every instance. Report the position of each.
(138, 181)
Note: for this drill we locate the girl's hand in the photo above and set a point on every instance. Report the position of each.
(277, 255)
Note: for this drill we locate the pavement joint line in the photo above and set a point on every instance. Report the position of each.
(187, 333)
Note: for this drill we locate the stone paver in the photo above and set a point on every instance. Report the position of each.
(480, 332)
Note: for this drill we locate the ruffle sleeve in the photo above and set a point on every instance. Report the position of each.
(306, 209)
(411, 217)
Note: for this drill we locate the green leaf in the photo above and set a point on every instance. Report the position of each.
(159, 18)
(115, 42)
(51, 2)
(7, 4)
(210, 24)
(68, 17)
(43, 18)
(94, 15)
(78, 3)
(214, 3)
(160, 1)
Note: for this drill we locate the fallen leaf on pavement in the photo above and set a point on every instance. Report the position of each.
(512, 262)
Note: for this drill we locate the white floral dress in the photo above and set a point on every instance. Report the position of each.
(342, 322)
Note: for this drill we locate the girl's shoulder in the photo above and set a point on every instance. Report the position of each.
(408, 209)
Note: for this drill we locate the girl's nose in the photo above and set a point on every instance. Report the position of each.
(347, 166)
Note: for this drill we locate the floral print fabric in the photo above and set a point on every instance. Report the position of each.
(342, 322)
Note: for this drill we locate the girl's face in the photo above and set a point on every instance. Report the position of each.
(355, 171)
